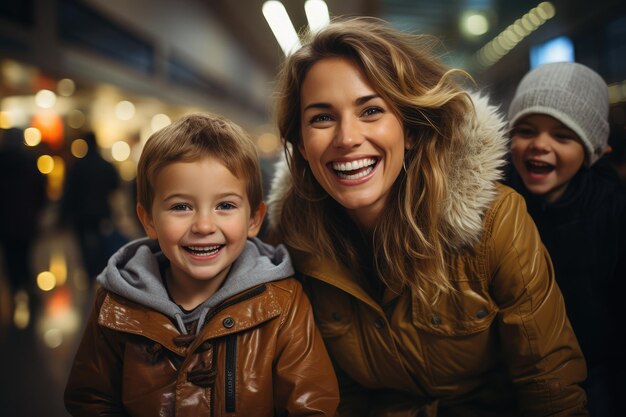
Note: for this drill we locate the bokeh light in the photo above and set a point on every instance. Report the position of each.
(45, 99)
(120, 151)
(125, 110)
(45, 164)
(79, 148)
(32, 136)
(66, 87)
(159, 121)
(46, 281)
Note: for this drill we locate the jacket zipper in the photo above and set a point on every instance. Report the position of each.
(230, 372)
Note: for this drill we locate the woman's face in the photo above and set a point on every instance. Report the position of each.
(351, 139)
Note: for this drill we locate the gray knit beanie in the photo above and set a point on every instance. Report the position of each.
(572, 93)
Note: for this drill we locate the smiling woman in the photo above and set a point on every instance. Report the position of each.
(351, 138)
(428, 279)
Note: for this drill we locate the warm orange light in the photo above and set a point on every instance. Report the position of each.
(59, 302)
(50, 125)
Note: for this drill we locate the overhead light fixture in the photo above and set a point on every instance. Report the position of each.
(316, 14)
(474, 24)
(508, 39)
(278, 20)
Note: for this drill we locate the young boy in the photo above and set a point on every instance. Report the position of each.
(559, 121)
(201, 318)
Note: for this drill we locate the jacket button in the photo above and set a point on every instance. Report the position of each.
(435, 319)
(228, 322)
(335, 316)
(481, 314)
(379, 323)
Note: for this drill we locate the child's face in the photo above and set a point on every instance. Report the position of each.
(201, 217)
(546, 155)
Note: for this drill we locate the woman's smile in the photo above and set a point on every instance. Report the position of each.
(351, 138)
(357, 169)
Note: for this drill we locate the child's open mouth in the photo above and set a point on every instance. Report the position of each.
(353, 170)
(540, 168)
(203, 250)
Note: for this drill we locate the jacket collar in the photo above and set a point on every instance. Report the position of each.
(234, 315)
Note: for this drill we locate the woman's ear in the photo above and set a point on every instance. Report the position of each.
(146, 221)
(302, 150)
(409, 140)
(256, 220)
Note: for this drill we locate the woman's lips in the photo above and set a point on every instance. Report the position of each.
(354, 169)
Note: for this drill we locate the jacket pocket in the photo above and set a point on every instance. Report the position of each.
(332, 309)
(458, 334)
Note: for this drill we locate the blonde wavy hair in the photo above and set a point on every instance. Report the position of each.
(411, 243)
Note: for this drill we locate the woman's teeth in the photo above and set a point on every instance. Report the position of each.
(353, 170)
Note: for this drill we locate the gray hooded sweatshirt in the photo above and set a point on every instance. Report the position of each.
(134, 273)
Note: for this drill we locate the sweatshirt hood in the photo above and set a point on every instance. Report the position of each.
(134, 272)
(478, 162)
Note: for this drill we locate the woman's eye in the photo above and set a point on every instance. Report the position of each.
(180, 207)
(320, 118)
(371, 111)
(226, 206)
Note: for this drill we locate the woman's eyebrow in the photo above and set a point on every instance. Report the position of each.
(359, 101)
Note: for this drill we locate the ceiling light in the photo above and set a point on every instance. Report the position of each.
(45, 98)
(514, 34)
(317, 14)
(476, 24)
(281, 26)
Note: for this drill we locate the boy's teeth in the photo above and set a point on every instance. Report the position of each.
(203, 250)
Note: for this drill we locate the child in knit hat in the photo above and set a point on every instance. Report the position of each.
(559, 132)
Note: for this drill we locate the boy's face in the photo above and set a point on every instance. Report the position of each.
(201, 217)
(546, 155)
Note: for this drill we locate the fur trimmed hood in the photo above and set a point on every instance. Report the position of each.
(472, 182)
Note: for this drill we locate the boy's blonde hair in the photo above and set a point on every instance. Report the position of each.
(411, 240)
(193, 137)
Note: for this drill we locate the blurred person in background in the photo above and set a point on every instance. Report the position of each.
(23, 191)
(86, 207)
(559, 133)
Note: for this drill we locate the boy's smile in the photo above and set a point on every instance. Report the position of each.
(546, 155)
(202, 218)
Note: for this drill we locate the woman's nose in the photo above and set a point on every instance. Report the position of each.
(348, 134)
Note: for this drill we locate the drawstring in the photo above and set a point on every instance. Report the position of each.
(181, 325)
(203, 315)
(186, 338)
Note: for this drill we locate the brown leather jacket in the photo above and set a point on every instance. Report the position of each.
(500, 345)
(259, 354)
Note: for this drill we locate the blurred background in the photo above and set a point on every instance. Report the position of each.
(83, 84)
